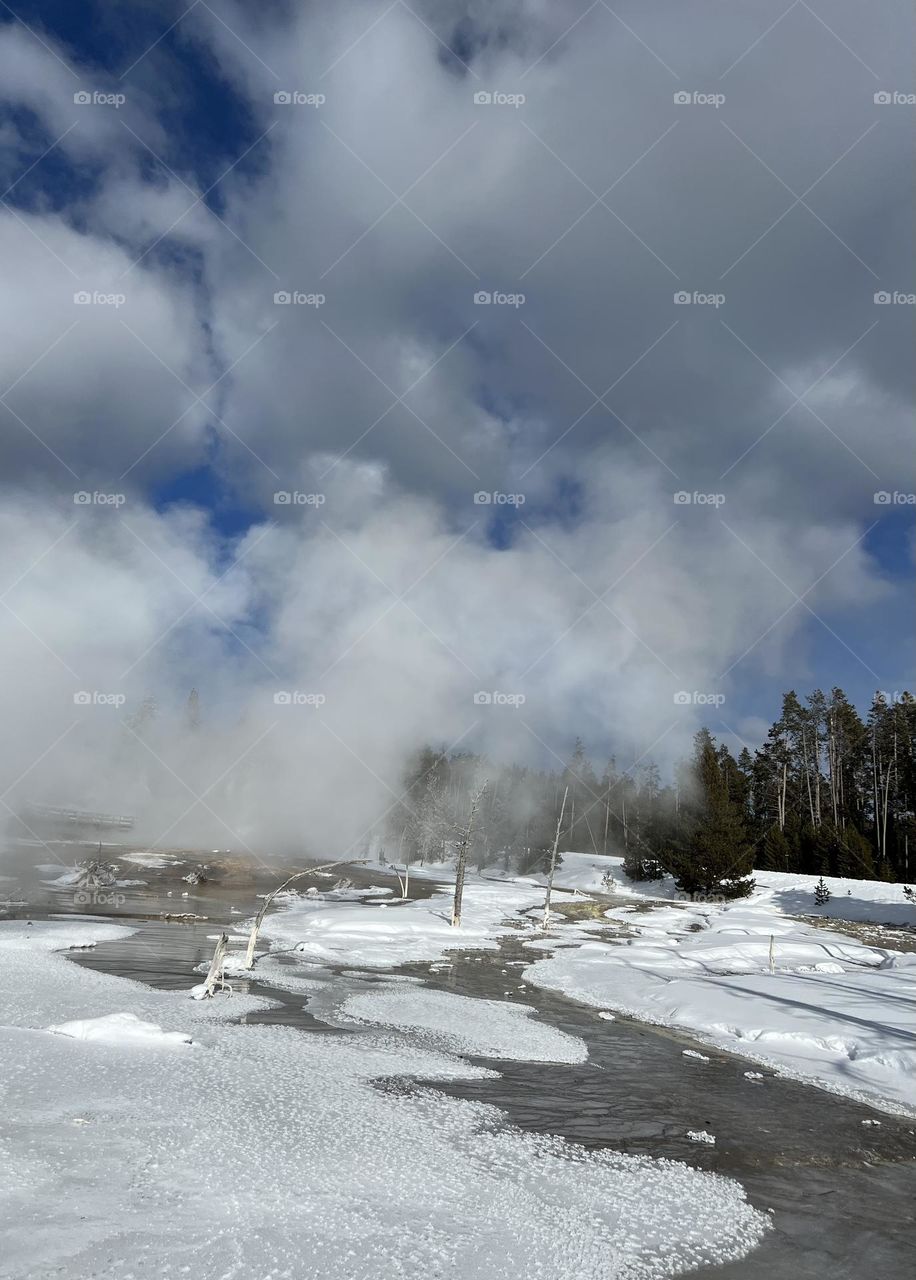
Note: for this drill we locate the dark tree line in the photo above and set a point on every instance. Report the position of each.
(826, 794)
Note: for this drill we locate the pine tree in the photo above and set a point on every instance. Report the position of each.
(776, 851)
(711, 853)
(821, 892)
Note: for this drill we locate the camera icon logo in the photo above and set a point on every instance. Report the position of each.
(682, 297)
(283, 498)
(682, 498)
(82, 699)
(681, 698)
(482, 298)
(81, 97)
(82, 499)
(681, 98)
(283, 98)
(882, 498)
(82, 299)
(882, 298)
(482, 499)
(882, 98)
(483, 98)
(482, 699)
(282, 298)
(282, 699)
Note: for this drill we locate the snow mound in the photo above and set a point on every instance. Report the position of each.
(120, 1028)
(485, 1028)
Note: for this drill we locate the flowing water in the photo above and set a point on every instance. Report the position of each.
(841, 1188)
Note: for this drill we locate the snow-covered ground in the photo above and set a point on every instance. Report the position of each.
(388, 934)
(834, 1010)
(263, 1151)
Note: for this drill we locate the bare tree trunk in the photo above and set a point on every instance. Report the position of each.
(462, 860)
(887, 787)
(832, 764)
(259, 918)
(588, 828)
(874, 790)
(553, 864)
(214, 980)
(817, 775)
(808, 778)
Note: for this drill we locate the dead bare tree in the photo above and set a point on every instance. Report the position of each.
(403, 885)
(461, 864)
(214, 980)
(553, 863)
(259, 918)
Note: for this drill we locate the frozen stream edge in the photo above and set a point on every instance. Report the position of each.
(258, 1150)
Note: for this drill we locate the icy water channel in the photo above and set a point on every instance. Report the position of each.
(841, 1192)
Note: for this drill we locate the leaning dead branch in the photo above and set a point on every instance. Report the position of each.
(259, 918)
(553, 863)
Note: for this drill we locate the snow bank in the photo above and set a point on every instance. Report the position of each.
(834, 1011)
(486, 1028)
(273, 1154)
(120, 1028)
(151, 860)
(786, 893)
(387, 934)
